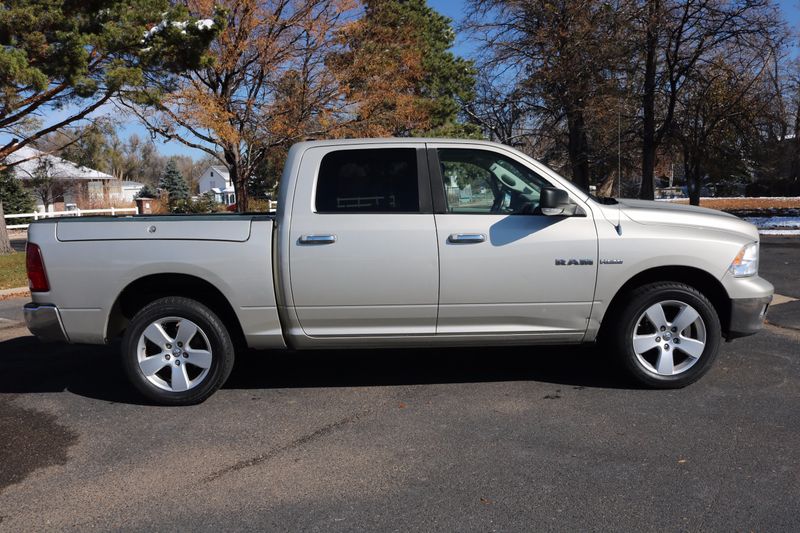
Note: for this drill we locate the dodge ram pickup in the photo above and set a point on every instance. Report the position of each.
(400, 243)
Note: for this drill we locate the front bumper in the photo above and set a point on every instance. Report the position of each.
(747, 316)
(44, 321)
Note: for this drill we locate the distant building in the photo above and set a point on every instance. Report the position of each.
(216, 180)
(129, 190)
(71, 183)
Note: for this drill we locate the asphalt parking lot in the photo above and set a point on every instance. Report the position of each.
(468, 440)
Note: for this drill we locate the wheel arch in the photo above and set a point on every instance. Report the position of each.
(146, 289)
(697, 278)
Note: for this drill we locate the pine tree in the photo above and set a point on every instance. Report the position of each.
(81, 55)
(398, 68)
(15, 198)
(172, 181)
(147, 192)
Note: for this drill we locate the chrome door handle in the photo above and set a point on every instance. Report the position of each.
(466, 238)
(317, 239)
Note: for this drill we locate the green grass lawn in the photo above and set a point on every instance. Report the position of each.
(12, 271)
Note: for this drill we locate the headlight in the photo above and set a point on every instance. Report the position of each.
(746, 261)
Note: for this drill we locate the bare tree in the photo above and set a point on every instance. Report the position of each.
(717, 116)
(229, 109)
(675, 38)
(498, 109)
(563, 57)
(45, 184)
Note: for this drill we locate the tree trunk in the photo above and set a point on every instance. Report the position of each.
(795, 162)
(240, 186)
(5, 243)
(691, 171)
(693, 182)
(238, 179)
(649, 145)
(578, 147)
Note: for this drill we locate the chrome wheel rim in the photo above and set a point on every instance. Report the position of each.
(174, 354)
(669, 338)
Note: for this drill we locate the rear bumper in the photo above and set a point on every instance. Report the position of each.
(44, 321)
(747, 316)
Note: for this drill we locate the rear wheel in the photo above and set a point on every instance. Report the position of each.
(176, 351)
(668, 335)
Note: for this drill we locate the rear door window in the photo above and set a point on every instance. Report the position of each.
(381, 180)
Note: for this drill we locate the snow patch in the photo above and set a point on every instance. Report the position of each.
(203, 24)
(779, 198)
(779, 231)
(775, 223)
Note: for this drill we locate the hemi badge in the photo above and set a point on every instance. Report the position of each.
(611, 261)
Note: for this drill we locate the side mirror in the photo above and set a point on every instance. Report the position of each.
(554, 201)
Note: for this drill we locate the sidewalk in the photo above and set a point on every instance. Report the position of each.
(784, 312)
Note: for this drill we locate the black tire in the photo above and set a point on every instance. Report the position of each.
(211, 326)
(638, 301)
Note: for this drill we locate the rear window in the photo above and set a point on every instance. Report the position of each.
(382, 180)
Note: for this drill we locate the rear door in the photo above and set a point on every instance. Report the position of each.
(363, 258)
(506, 268)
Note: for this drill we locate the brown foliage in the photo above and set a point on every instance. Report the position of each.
(379, 73)
(268, 86)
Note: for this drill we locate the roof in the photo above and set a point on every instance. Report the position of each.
(61, 168)
(219, 170)
(132, 184)
(399, 140)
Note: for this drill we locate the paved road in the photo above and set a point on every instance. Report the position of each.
(780, 263)
(11, 310)
(500, 439)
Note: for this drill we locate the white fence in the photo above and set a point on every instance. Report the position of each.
(113, 211)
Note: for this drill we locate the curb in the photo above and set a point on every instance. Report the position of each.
(14, 293)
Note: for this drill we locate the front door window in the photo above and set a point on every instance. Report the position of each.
(484, 182)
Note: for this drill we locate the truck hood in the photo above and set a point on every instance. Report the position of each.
(669, 213)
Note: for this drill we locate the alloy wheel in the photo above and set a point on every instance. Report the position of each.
(174, 354)
(669, 338)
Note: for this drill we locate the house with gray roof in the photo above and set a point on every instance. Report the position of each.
(66, 183)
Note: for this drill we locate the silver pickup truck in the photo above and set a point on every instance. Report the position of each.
(401, 243)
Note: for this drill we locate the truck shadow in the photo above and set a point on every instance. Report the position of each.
(584, 366)
(29, 367)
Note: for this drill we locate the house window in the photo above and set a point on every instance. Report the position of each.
(212, 173)
(213, 183)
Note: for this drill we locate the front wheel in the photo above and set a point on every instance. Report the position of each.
(176, 351)
(668, 335)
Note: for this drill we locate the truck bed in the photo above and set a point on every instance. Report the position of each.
(92, 262)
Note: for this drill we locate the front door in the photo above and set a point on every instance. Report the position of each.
(363, 257)
(505, 268)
